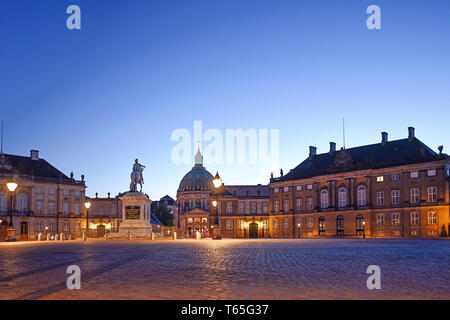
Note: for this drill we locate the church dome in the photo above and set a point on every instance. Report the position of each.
(198, 179)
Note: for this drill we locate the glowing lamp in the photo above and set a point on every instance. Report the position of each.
(11, 186)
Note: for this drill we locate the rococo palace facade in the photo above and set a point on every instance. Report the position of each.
(397, 188)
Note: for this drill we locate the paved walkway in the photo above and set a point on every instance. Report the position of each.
(227, 269)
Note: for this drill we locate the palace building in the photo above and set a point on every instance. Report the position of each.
(395, 188)
(390, 189)
(46, 201)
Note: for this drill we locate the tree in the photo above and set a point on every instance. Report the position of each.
(163, 214)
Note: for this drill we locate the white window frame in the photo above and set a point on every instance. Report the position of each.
(431, 173)
(309, 204)
(362, 196)
(380, 220)
(415, 195)
(342, 197)
(395, 177)
(414, 174)
(380, 198)
(395, 197)
(285, 205)
(299, 204)
(432, 217)
(396, 219)
(414, 218)
(276, 206)
(432, 194)
(324, 199)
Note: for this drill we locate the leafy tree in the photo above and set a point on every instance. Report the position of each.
(162, 212)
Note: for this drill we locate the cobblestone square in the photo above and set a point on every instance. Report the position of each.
(227, 269)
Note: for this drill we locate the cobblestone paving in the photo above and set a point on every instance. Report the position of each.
(227, 269)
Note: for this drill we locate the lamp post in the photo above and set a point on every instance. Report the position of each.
(87, 204)
(364, 229)
(216, 228)
(12, 186)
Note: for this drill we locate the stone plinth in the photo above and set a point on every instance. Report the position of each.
(136, 211)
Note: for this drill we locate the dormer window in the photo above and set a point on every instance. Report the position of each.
(431, 173)
(414, 174)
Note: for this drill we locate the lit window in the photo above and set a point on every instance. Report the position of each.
(415, 195)
(414, 218)
(266, 224)
(432, 194)
(432, 217)
(241, 224)
(414, 174)
(396, 219)
(380, 198)
(286, 205)
(229, 225)
(66, 226)
(380, 179)
(298, 222)
(395, 194)
(275, 224)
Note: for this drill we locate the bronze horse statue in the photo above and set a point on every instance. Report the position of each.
(136, 176)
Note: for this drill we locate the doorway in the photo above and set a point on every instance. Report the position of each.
(23, 230)
(253, 230)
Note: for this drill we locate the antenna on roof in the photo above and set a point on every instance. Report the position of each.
(343, 131)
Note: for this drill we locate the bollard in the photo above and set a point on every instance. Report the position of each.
(153, 236)
(48, 236)
(198, 236)
(129, 236)
(40, 236)
(174, 236)
(61, 237)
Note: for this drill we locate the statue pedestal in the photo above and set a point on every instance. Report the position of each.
(136, 211)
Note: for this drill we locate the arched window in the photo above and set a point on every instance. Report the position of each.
(190, 220)
(359, 224)
(342, 198)
(2, 202)
(197, 203)
(324, 199)
(23, 203)
(321, 226)
(340, 225)
(361, 196)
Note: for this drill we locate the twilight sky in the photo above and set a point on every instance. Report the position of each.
(93, 100)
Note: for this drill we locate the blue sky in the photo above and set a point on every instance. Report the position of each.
(93, 100)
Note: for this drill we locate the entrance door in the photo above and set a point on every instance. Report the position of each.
(253, 230)
(24, 231)
(101, 230)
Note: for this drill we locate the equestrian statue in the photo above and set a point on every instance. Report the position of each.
(136, 176)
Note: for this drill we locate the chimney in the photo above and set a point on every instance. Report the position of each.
(384, 138)
(411, 133)
(312, 151)
(332, 147)
(34, 154)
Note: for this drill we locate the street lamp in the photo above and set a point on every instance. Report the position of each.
(87, 204)
(12, 186)
(364, 229)
(217, 181)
